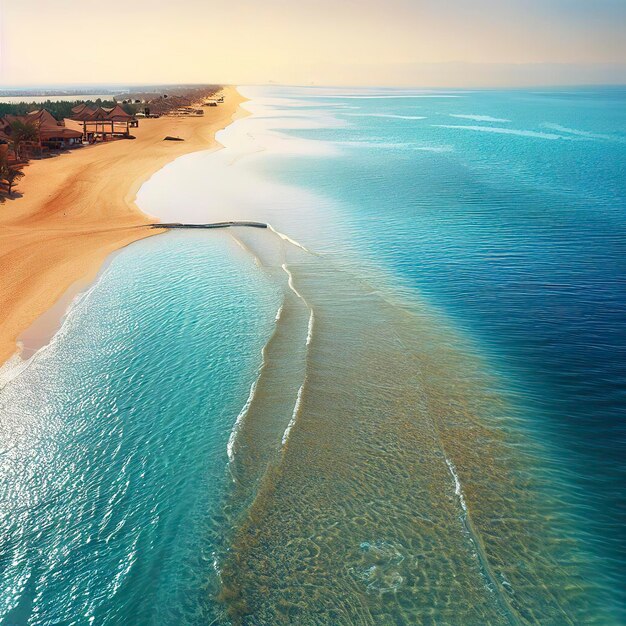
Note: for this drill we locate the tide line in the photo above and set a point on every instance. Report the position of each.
(284, 237)
(242, 414)
(309, 337)
(294, 415)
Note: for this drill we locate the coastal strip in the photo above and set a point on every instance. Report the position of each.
(77, 208)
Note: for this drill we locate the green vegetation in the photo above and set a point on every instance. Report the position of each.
(59, 109)
(9, 176)
(21, 133)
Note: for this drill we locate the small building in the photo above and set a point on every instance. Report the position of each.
(51, 134)
(4, 145)
(103, 122)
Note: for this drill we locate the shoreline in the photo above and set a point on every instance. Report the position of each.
(75, 210)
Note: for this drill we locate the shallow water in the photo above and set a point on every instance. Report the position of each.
(413, 384)
(114, 438)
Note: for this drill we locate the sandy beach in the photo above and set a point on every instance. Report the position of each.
(77, 208)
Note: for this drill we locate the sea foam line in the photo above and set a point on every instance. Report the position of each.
(309, 337)
(388, 116)
(578, 133)
(309, 334)
(230, 446)
(457, 484)
(294, 415)
(237, 426)
(492, 583)
(292, 286)
(293, 242)
(480, 118)
(504, 131)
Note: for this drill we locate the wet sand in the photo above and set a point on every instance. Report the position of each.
(77, 208)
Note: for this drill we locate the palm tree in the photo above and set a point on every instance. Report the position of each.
(11, 177)
(8, 175)
(21, 132)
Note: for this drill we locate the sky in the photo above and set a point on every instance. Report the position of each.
(434, 43)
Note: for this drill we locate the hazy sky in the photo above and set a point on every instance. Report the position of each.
(404, 42)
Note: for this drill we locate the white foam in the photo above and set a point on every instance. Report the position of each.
(437, 149)
(394, 145)
(457, 484)
(11, 369)
(578, 133)
(294, 415)
(388, 115)
(284, 237)
(230, 446)
(504, 131)
(291, 285)
(309, 334)
(480, 118)
(237, 426)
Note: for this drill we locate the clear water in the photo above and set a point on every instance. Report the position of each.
(114, 438)
(435, 433)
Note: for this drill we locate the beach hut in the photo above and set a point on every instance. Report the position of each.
(51, 133)
(99, 120)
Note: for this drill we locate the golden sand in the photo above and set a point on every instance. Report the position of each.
(79, 207)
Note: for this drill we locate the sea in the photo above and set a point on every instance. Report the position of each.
(402, 402)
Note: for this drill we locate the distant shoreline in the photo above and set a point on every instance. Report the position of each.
(79, 207)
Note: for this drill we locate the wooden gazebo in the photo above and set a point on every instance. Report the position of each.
(98, 120)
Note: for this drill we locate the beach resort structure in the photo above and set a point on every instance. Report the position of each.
(171, 105)
(103, 122)
(50, 133)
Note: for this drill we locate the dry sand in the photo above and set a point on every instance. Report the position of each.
(79, 207)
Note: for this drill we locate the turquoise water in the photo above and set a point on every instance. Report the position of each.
(114, 439)
(435, 433)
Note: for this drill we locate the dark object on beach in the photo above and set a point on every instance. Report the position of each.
(178, 225)
(168, 138)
